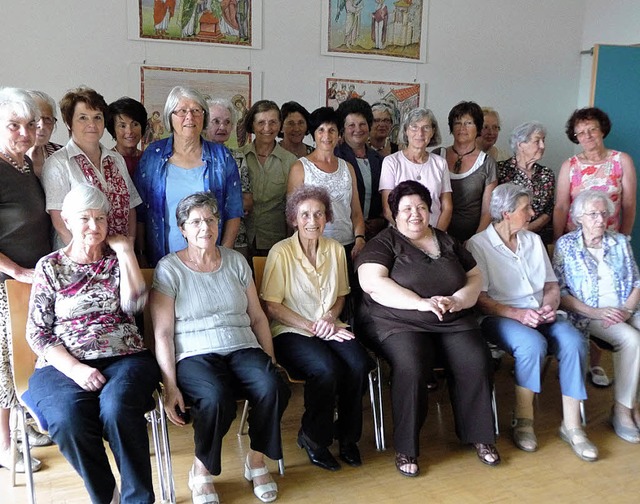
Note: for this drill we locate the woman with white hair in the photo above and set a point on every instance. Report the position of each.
(180, 165)
(519, 300)
(381, 128)
(600, 287)
(43, 148)
(527, 143)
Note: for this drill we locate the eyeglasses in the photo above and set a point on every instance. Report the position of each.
(587, 132)
(466, 124)
(48, 121)
(196, 223)
(184, 112)
(415, 128)
(595, 215)
(383, 121)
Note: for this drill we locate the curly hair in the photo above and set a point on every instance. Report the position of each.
(587, 114)
(408, 188)
(355, 106)
(303, 193)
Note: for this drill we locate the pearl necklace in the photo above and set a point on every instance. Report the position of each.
(22, 169)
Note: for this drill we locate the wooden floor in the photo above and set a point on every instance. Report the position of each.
(451, 473)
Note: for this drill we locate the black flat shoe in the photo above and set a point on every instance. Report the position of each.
(320, 456)
(350, 454)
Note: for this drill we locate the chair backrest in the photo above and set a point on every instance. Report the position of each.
(258, 270)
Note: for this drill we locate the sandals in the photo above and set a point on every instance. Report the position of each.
(197, 497)
(403, 460)
(579, 443)
(629, 434)
(523, 436)
(261, 490)
(599, 377)
(487, 454)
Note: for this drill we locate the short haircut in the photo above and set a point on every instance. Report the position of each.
(408, 188)
(175, 95)
(303, 193)
(224, 103)
(588, 196)
(466, 108)
(505, 199)
(587, 114)
(41, 95)
(128, 107)
(292, 107)
(323, 115)
(382, 107)
(355, 106)
(258, 107)
(196, 200)
(491, 111)
(18, 102)
(84, 197)
(524, 132)
(83, 94)
(412, 117)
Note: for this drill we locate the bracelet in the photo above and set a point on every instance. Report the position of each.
(360, 236)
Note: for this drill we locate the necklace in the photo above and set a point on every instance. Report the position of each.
(22, 169)
(458, 164)
(197, 266)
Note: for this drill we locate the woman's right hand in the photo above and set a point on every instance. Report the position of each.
(173, 401)
(530, 318)
(24, 275)
(87, 377)
(430, 305)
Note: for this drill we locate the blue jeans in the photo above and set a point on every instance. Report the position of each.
(78, 420)
(530, 346)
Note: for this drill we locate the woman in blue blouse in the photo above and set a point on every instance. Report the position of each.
(600, 287)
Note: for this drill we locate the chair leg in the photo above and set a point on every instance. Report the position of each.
(163, 452)
(494, 407)
(375, 394)
(243, 419)
(583, 414)
(380, 407)
(281, 466)
(26, 453)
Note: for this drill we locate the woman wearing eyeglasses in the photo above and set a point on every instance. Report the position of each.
(182, 164)
(379, 137)
(43, 148)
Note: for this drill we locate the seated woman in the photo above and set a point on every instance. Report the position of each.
(213, 345)
(93, 379)
(600, 287)
(304, 286)
(419, 285)
(520, 297)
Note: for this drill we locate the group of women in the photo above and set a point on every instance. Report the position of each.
(392, 248)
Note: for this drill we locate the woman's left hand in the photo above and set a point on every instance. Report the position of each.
(341, 335)
(324, 327)
(612, 316)
(547, 314)
(448, 303)
(357, 247)
(120, 244)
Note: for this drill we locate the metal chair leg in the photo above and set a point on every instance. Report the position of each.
(281, 466)
(26, 453)
(583, 414)
(494, 407)
(163, 452)
(243, 419)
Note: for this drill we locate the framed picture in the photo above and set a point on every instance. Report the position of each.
(240, 87)
(377, 29)
(236, 23)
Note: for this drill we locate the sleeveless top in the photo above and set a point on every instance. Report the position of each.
(605, 176)
(338, 184)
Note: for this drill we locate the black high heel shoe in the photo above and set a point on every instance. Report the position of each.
(320, 456)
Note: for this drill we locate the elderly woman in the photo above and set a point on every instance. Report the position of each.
(519, 298)
(527, 144)
(381, 128)
(126, 121)
(596, 167)
(304, 286)
(93, 379)
(295, 126)
(419, 286)
(419, 130)
(269, 166)
(84, 160)
(472, 172)
(179, 165)
(43, 147)
(356, 119)
(213, 343)
(600, 288)
(323, 168)
(24, 237)
(486, 142)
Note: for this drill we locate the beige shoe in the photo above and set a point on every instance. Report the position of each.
(523, 436)
(579, 443)
(36, 438)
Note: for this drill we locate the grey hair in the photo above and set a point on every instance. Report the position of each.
(41, 95)
(524, 132)
(224, 103)
(84, 197)
(491, 111)
(18, 102)
(412, 117)
(174, 97)
(584, 197)
(505, 199)
(196, 200)
(382, 107)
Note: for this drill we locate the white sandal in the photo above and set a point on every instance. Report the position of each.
(260, 490)
(199, 498)
(580, 444)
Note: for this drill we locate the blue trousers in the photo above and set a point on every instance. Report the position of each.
(530, 346)
(212, 383)
(79, 420)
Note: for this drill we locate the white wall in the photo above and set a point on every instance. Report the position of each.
(519, 56)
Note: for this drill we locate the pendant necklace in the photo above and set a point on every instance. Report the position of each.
(458, 164)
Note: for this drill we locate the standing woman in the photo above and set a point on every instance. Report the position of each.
(126, 121)
(381, 129)
(489, 135)
(472, 172)
(419, 130)
(269, 166)
(84, 160)
(295, 126)
(43, 147)
(322, 168)
(24, 233)
(182, 164)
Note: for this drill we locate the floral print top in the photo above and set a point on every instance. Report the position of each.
(78, 306)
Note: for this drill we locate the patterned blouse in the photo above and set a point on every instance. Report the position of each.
(78, 306)
(542, 184)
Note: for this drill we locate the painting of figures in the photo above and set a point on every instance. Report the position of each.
(380, 29)
(157, 82)
(229, 22)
